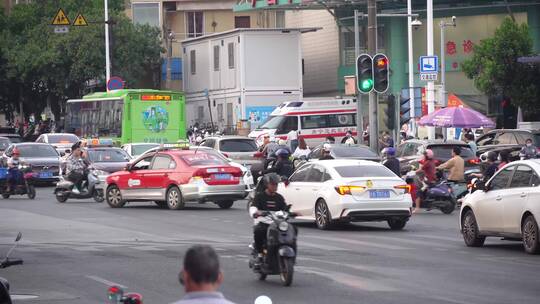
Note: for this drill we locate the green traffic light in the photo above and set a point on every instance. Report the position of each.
(366, 85)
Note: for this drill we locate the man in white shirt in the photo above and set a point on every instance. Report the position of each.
(292, 137)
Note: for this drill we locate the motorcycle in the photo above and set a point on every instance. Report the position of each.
(438, 196)
(90, 188)
(279, 254)
(116, 295)
(24, 187)
(5, 297)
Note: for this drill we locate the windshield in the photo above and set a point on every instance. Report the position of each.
(273, 122)
(445, 152)
(37, 151)
(238, 145)
(15, 139)
(360, 152)
(140, 149)
(203, 159)
(108, 156)
(4, 143)
(364, 171)
(62, 138)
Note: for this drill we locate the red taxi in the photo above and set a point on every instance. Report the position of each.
(171, 177)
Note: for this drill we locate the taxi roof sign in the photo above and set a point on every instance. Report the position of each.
(60, 18)
(80, 20)
(100, 142)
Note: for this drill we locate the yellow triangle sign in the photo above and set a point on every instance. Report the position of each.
(60, 18)
(80, 21)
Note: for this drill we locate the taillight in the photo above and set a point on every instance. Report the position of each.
(474, 161)
(407, 188)
(347, 190)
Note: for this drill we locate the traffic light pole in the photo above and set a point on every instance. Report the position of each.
(372, 50)
(359, 97)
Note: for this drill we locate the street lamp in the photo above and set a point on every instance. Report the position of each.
(410, 24)
(443, 24)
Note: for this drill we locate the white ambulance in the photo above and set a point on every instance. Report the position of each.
(313, 118)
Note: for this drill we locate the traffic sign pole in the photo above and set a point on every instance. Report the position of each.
(430, 92)
(107, 56)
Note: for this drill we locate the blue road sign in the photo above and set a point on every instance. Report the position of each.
(429, 64)
(115, 83)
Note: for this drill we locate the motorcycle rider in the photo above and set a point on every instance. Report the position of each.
(283, 165)
(390, 161)
(428, 169)
(76, 166)
(14, 173)
(456, 166)
(267, 200)
(327, 148)
(490, 169)
(528, 151)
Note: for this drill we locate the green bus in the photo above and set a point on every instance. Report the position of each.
(128, 116)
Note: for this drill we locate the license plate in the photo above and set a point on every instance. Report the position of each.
(222, 176)
(379, 194)
(45, 174)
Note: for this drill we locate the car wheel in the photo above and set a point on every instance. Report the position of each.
(225, 204)
(322, 215)
(98, 196)
(529, 231)
(114, 197)
(175, 201)
(450, 207)
(5, 195)
(469, 229)
(61, 198)
(397, 224)
(161, 204)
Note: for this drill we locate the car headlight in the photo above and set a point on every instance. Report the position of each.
(283, 226)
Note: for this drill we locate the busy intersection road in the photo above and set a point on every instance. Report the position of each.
(73, 251)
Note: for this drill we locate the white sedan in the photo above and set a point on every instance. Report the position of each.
(508, 205)
(331, 191)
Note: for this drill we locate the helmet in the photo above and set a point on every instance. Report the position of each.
(428, 153)
(16, 151)
(491, 156)
(390, 151)
(282, 142)
(271, 178)
(327, 147)
(76, 146)
(282, 153)
(198, 139)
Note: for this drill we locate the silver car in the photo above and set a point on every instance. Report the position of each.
(240, 149)
(62, 142)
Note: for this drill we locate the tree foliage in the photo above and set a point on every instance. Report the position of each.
(36, 64)
(496, 72)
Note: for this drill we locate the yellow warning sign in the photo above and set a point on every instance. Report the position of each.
(60, 18)
(80, 21)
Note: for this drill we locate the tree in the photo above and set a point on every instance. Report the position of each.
(42, 67)
(496, 72)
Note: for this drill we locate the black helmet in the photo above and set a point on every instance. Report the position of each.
(492, 156)
(76, 146)
(271, 178)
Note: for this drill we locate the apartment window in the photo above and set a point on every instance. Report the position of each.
(242, 22)
(146, 13)
(200, 113)
(216, 57)
(230, 52)
(280, 19)
(192, 60)
(194, 24)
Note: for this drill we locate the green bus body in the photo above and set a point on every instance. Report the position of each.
(128, 116)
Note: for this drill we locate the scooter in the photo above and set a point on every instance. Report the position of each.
(438, 196)
(5, 297)
(116, 295)
(24, 187)
(90, 189)
(279, 254)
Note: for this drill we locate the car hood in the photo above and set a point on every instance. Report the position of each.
(110, 166)
(42, 161)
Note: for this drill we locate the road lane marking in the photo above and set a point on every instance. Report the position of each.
(347, 279)
(319, 246)
(105, 281)
(442, 238)
(362, 243)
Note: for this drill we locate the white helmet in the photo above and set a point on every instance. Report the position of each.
(282, 142)
(198, 139)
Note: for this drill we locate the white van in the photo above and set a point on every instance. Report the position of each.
(314, 118)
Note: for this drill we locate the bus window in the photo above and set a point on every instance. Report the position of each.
(314, 121)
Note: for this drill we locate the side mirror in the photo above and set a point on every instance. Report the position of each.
(19, 237)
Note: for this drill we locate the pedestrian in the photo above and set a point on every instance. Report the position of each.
(503, 158)
(302, 150)
(390, 161)
(266, 141)
(528, 151)
(292, 138)
(348, 136)
(469, 139)
(330, 140)
(201, 277)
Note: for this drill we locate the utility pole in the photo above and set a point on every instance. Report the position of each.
(107, 55)
(430, 93)
(372, 50)
(411, 68)
(359, 97)
(170, 36)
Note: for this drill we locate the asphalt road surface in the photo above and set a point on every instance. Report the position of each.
(72, 251)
